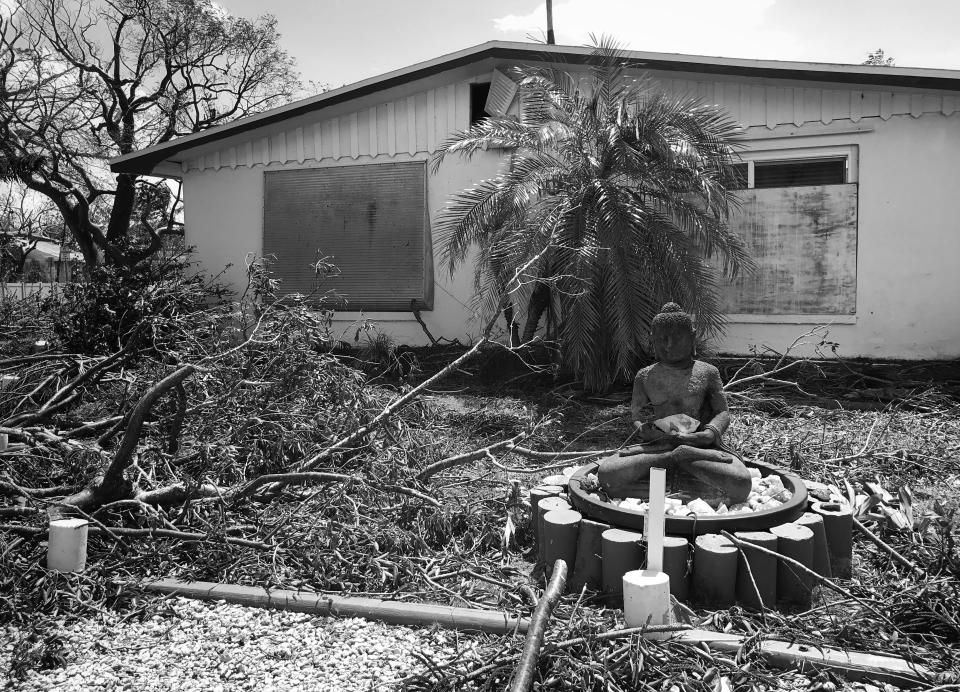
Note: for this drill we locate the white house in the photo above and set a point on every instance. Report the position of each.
(852, 179)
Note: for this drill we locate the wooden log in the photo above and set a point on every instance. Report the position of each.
(821, 556)
(676, 564)
(540, 492)
(763, 566)
(838, 526)
(622, 553)
(714, 571)
(391, 612)
(588, 567)
(545, 505)
(794, 586)
(560, 532)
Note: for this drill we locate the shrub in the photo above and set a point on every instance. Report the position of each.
(112, 304)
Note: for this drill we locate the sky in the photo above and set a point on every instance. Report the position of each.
(339, 42)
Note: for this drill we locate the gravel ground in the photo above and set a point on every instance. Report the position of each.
(218, 646)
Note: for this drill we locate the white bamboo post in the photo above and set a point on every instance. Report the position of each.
(646, 592)
(67, 545)
(646, 598)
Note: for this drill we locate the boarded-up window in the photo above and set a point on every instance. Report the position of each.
(370, 220)
(804, 241)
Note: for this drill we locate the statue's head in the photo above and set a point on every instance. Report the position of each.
(673, 334)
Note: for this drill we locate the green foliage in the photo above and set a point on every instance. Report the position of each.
(112, 304)
(615, 201)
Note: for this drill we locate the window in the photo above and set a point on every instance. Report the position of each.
(478, 99)
(798, 219)
(791, 173)
(370, 220)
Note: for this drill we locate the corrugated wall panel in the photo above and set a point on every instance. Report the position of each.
(369, 219)
(420, 122)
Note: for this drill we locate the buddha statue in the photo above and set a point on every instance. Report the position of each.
(680, 414)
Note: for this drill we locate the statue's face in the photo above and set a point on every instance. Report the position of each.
(673, 344)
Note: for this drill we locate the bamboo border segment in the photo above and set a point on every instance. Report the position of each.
(391, 612)
(851, 665)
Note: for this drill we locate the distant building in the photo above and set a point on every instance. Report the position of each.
(46, 262)
(848, 208)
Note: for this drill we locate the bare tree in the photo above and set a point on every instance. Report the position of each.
(878, 58)
(82, 81)
(24, 222)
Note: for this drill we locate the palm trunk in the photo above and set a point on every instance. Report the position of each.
(539, 301)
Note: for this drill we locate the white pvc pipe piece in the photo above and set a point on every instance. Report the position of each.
(656, 520)
(4, 441)
(646, 598)
(67, 545)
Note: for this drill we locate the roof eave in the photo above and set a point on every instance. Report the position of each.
(146, 160)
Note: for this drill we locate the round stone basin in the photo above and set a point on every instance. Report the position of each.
(624, 517)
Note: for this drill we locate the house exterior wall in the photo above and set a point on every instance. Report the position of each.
(904, 145)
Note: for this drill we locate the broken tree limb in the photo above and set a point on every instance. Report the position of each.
(112, 485)
(391, 408)
(897, 557)
(252, 486)
(467, 457)
(809, 572)
(67, 394)
(523, 676)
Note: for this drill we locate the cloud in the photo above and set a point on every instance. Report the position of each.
(696, 27)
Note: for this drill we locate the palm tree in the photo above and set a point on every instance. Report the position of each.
(614, 201)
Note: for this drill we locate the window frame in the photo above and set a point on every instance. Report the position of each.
(797, 150)
(426, 304)
(848, 152)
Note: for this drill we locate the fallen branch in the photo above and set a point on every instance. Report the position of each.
(115, 531)
(467, 457)
(523, 676)
(321, 477)
(809, 572)
(113, 486)
(391, 408)
(898, 558)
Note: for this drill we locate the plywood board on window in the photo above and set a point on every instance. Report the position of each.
(369, 220)
(804, 242)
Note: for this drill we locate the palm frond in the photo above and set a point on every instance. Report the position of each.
(615, 196)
